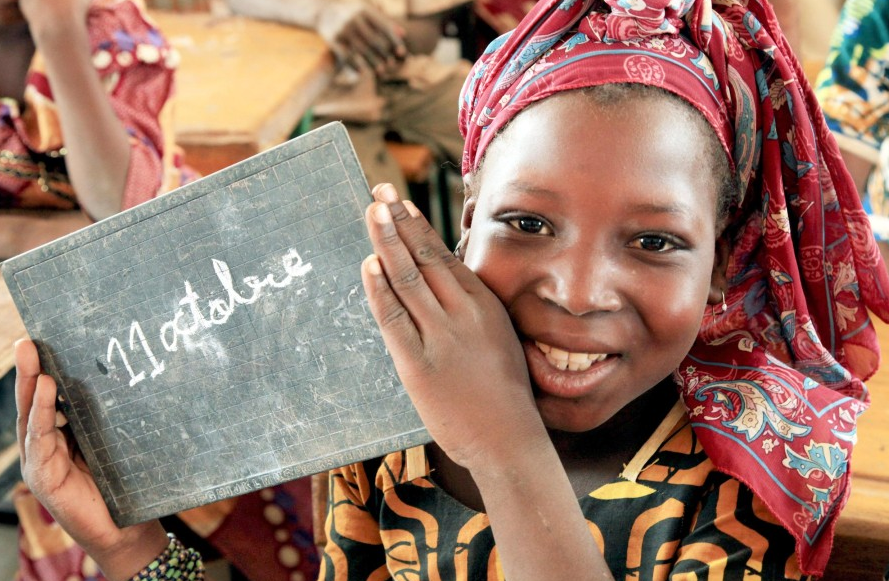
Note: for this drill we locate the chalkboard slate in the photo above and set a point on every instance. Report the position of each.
(217, 339)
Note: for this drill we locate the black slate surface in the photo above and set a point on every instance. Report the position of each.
(217, 339)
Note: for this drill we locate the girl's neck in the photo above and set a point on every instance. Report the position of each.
(591, 459)
(625, 432)
(17, 48)
(595, 458)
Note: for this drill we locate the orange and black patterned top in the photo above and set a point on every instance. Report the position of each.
(678, 519)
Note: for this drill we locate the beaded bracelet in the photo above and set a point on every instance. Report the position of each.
(176, 562)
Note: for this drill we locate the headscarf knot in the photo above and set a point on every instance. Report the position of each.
(631, 20)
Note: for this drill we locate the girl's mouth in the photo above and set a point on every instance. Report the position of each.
(571, 361)
(567, 374)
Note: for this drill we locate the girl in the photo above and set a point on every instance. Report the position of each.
(659, 308)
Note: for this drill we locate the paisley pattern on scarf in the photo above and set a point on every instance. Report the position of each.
(679, 519)
(774, 384)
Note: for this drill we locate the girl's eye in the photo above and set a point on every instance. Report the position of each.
(530, 225)
(654, 243)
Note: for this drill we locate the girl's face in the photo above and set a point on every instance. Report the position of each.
(596, 227)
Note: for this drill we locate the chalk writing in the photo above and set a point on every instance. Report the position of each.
(157, 366)
(219, 312)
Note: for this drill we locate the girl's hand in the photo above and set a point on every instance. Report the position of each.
(451, 340)
(57, 475)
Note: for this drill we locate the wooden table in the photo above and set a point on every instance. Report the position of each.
(242, 84)
(861, 548)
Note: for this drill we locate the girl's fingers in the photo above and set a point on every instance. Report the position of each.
(27, 366)
(396, 324)
(402, 272)
(446, 275)
(35, 400)
(41, 438)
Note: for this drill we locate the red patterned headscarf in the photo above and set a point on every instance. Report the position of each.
(773, 385)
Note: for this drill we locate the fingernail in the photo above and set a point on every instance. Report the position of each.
(382, 214)
(412, 209)
(373, 265)
(387, 193)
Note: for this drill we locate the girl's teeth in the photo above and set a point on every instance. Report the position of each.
(578, 357)
(579, 365)
(557, 354)
(571, 361)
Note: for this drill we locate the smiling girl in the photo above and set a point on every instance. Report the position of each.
(646, 359)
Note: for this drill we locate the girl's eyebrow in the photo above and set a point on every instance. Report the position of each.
(649, 207)
(527, 187)
(676, 209)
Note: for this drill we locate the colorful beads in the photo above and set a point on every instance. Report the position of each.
(176, 562)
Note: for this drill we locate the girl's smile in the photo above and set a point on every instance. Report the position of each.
(602, 252)
(566, 374)
(572, 361)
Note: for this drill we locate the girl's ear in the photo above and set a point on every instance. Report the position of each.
(465, 222)
(468, 213)
(718, 280)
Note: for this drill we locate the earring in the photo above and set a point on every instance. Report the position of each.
(723, 308)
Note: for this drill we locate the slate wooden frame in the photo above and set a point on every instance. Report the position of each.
(283, 376)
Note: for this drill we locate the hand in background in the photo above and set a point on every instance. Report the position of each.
(362, 38)
(57, 475)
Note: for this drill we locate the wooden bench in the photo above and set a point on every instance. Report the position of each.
(861, 547)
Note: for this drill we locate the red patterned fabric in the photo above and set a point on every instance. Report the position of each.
(774, 384)
(269, 537)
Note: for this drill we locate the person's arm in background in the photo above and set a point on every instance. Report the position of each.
(98, 164)
(109, 114)
(359, 36)
(788, 15)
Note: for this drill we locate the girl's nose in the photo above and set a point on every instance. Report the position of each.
(581, 284)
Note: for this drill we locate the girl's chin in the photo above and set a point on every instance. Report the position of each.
(562, 416)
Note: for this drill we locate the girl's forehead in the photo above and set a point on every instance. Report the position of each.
(636, 129)
(568, 150)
